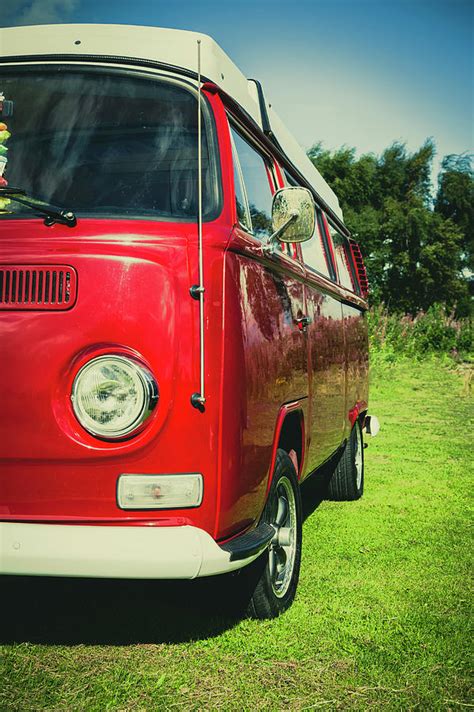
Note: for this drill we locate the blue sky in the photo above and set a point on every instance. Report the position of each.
(357, 72)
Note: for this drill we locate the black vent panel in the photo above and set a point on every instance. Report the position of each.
(40, 287)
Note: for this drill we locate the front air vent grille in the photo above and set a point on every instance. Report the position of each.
(40, 287)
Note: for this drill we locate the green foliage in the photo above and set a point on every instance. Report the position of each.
(455, 200)
(435, 330)
(415, 255)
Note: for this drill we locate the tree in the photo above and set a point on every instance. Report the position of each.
(423, 261)
(455, 200)
(413, 254)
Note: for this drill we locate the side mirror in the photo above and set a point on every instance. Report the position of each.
(293, 215)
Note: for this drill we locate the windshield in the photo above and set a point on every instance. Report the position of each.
(105, 143)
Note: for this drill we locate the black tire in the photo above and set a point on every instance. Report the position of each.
(269, 584)
(347, 482)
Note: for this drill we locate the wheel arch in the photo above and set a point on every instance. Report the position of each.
(289, 436)
(358, 413)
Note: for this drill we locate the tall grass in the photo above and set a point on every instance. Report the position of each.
(433, 331)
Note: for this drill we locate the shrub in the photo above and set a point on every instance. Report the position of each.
(435, 330)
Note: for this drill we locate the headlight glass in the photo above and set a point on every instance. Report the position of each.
(113, 395)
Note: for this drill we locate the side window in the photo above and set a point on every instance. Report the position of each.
(289, 180)
(314, 252)
(254, 170)
(241, 201)
(341, 255)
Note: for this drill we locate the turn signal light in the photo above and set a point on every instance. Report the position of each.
(159, 491)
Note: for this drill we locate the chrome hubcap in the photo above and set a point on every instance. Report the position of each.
(358, 457)
(282, 553)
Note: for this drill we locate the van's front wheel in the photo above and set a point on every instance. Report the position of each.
(272, 579)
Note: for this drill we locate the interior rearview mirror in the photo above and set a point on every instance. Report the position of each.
(293, 215)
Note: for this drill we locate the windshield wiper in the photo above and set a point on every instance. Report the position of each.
(52, 212)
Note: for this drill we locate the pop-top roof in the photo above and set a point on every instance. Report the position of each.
(176, 48)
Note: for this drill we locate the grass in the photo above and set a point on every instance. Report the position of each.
(381, 618)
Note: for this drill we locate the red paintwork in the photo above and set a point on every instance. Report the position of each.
(133, 298)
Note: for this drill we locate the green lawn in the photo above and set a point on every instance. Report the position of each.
(381, 617)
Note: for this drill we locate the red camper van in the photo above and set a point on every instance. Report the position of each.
(182, 311)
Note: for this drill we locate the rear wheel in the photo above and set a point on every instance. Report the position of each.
(347, 482)
(271, 581)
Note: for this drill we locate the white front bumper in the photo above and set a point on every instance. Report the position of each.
(112, 551)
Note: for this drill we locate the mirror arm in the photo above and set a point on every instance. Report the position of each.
(269, 246)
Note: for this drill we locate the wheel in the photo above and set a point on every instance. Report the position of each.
(271, 581)
(347, 482)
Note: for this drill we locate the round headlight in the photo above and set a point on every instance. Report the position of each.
(113, 395)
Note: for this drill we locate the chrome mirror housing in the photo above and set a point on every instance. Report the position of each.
(293, 215)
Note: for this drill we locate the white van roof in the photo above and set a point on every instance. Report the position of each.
(175, 48)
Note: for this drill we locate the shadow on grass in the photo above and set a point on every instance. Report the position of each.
(72, 611)
(314, 489)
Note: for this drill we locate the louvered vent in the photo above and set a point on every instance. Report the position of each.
(360, 267)
(51, 287)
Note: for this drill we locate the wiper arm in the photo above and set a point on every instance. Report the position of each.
(53, 213)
